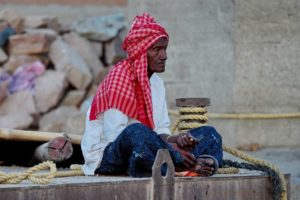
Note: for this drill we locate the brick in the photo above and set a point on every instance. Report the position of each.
(29, 44)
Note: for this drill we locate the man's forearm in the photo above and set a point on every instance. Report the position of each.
(164, 137)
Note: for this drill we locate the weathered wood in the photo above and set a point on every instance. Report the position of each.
(192, 102)
(219, 187)
(20, 135)
(56, 150)
(163, 187)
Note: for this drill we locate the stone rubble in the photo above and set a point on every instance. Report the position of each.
(77, 57)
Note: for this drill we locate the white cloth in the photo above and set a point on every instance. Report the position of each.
(99, 133)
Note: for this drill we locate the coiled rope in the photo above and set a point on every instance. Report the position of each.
(194, 117)
(44, 178)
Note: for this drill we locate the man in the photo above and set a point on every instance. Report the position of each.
(128, 120)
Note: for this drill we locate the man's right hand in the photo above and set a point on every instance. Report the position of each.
(184, 140)
(189, 160)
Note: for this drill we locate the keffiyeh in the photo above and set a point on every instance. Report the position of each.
(127, 86)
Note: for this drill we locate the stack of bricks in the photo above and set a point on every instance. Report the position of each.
(73, 64)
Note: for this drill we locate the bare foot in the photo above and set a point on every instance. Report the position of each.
(205, 166)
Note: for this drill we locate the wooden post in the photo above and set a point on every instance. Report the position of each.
(163, 187)
(56, 150)
(192, 102)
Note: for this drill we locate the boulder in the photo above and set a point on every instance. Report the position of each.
(3, 56)
(49, 89)
(73, 98)
(16, 120)
(67, 60)
(98, 48)
(50, 22)
(113, 49)
(54, 120)
(101, 28)
(19, 102)
(74, 124)
(85, 49)
(14, 20)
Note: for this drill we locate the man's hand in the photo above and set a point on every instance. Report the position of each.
(189, 160)
(184, 140)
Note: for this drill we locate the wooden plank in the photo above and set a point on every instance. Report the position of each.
(163, 187)
(192, 102)
(38, 136)
(218, 187)
(226, 187)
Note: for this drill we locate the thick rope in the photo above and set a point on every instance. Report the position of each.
(181, 124)
(243, 116)
(43, 178)
(14, 178)
(262, 163)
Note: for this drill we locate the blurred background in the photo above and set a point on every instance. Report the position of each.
(243, 55)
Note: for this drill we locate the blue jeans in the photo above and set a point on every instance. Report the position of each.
(133, 152)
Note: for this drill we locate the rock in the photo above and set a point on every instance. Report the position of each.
(53, 121)
(3, 56)
(67, 60)
(29, 44)
(86, 104)
(92, 90)
(19, 102)
(114, 51)
(86, 51)
(16, 61)
(101, 75)
(50, 22)
(4, 81)
(98, 48)
(16, 120)
(51, 34)
(73, 98)
(49, 89)
(101, 28)
(74, 124)
(14, 20)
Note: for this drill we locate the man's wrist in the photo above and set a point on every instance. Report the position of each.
(164, 136)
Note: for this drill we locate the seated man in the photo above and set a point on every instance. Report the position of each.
(128, 122)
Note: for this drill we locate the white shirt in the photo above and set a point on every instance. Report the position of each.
(99, 133)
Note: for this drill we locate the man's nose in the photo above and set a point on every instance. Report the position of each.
(163, 55)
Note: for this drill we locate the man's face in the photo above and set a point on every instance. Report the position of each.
(157, 56)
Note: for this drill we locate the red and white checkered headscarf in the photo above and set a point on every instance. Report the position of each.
(127, 86)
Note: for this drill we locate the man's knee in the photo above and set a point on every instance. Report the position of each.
(208, 131)
(136, 129)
